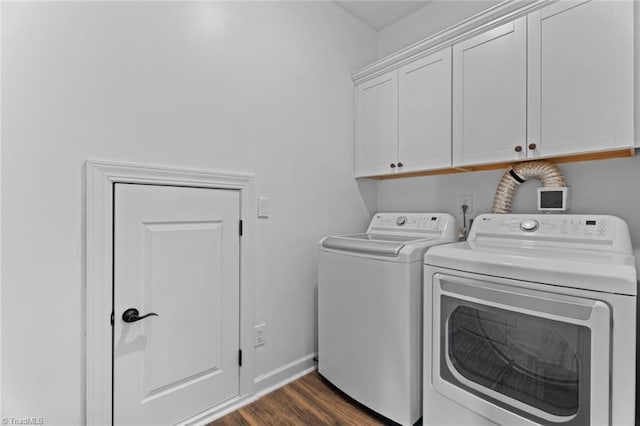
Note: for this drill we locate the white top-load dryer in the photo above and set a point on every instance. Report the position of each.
(370, 310)
(531, 321)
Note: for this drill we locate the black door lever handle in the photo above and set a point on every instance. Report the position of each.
(133, 315)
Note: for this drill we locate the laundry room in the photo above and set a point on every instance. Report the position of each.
(177, 178)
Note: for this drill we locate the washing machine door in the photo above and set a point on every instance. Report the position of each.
(521, 356)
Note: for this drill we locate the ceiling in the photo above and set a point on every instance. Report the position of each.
(382, 13)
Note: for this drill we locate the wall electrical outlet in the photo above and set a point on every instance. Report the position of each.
(468, 200)
(260, 334)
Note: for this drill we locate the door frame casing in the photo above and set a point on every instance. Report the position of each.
(98, 274)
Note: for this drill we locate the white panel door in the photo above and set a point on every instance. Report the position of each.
(176, 253)
(489, 96)
(425, 113)
(377, 129)
(581, 77)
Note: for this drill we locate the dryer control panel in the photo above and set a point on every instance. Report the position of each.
(599, 232)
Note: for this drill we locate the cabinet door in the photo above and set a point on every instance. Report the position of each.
(377, 129)
(489, 96)
(425, 113)
(581, 77)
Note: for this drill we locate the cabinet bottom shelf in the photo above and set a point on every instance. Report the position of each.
(620, 153)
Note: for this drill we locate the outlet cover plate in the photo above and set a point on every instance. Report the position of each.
(468, 200)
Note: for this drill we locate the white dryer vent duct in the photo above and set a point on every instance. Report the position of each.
(519, 173)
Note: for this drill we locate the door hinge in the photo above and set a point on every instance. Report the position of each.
(240, 229)
(111, 317)
(240, 357)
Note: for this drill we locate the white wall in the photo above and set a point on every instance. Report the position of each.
(248, 87)
(597, 187)
(426, 21)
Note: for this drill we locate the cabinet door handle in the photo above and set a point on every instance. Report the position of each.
(532, 146)
(393, 165)
(518, 148)
(400, 164)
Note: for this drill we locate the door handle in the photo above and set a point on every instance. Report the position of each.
(133, 315)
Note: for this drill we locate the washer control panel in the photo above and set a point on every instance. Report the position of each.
(414, 222)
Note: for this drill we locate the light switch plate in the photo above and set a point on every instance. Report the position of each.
(264, 206)
(261, 337)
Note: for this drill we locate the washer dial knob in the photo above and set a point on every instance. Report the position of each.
(529, 225)
(401, 220)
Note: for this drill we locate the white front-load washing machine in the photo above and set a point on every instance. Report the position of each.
(531, 321)
(370, 310)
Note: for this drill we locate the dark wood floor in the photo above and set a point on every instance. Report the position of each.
(310, 400)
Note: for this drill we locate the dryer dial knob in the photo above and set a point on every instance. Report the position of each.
(401, 220)
(529, 225)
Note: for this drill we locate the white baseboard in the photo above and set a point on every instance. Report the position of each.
(264, 384)
(281, 376)
(221, 410)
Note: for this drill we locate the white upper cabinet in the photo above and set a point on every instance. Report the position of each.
(377, 127)
(556, 82)
(581, 77)
(425, 113)
(404, 118)
(489, 96)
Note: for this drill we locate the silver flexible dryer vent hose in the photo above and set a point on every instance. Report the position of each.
(518, 173)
